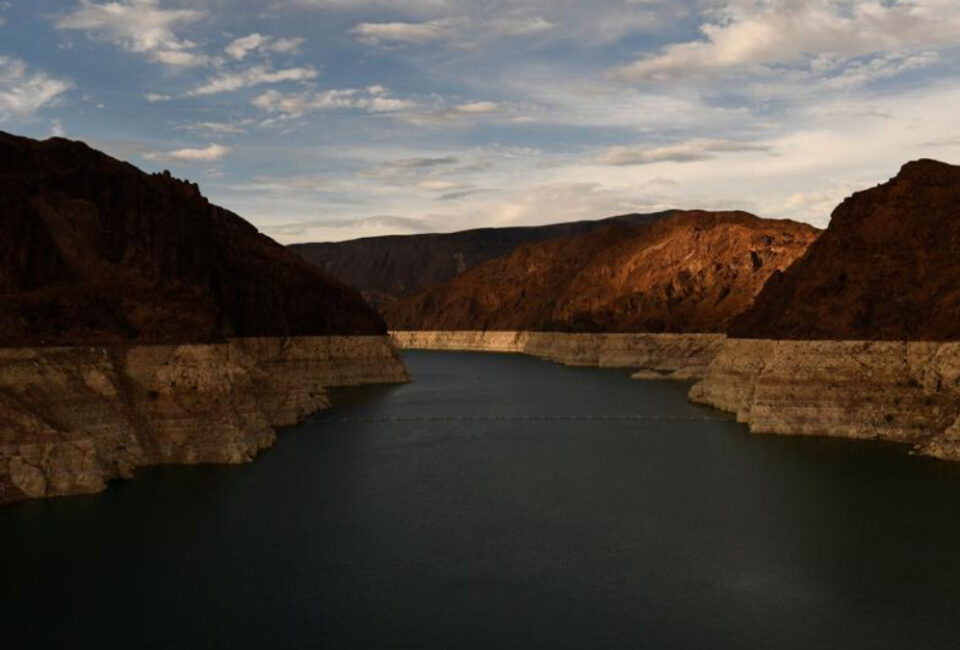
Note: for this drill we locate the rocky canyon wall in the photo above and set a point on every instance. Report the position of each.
(73, 418)
(906, 392)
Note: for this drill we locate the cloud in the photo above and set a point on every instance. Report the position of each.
(469, 24)
(379, 33)
(211, 152)
(22, 92)
(859, 73)
(226, 128)
(140, 26)
(690, 151)
(374, 99)
(463, 31)
(459, 114)
(795, 32)
(409, 167)
(240, 47)
(349, 228)
(442, 186)
(157, 97)
(253, 76)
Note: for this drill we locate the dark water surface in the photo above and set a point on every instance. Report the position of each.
(501, 534)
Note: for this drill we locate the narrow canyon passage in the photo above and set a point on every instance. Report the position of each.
(501, 501)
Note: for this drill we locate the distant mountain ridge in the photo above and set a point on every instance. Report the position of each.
(394, 266)
(692, 271)
(95, 251)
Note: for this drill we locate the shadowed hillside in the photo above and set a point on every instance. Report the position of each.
(92, 250)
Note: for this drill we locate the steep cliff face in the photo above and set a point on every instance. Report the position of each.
(886, 268)
(94, 251)
(691, 272)
(139, 324)
(858, 338)
(907, 392)
(387, 268)
(73, 418)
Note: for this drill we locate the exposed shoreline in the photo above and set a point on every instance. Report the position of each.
(653, 356)
(74, 418)
(904, 392)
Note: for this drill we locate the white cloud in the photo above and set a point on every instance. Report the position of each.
(404, 168)
(253, 76)
(379, 33)
(690, 151)
(463, 31)
(23, 92)
(239, 48)
(56, 129)
(157, 97)
(226, 128)
(211, 152)
(468, 23)
(338, 229)
(792, 32)
(242, 46)
(462, 114)
(885, 66)
(476, 108)
(372, 100)
(140, 26)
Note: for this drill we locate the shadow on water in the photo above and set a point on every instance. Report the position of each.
(390, 528)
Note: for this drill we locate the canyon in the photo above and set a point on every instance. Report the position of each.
(141, 325)
(859, 337)
(856, 338)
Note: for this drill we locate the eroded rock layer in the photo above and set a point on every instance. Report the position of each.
(73, 418)
(653, 356)
(907, 392)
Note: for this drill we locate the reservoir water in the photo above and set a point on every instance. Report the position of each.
(462, 511)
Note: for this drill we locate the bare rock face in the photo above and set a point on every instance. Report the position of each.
(139, 324)
(887, 268)
(690, 272)
(898, 391)
(859, 338)
(73, 418)
(387, 268)
(94, 251)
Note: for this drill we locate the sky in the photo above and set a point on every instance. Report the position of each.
(322, 120)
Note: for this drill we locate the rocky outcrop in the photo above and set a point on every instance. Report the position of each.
(140, 324)
(94, 251)
(396, 266)
(885, 269)
(906, 392)
(653, 356)
(690, 272)
(73, 418)
(859, 338)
